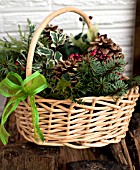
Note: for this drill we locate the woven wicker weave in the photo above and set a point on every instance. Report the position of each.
(98, 122)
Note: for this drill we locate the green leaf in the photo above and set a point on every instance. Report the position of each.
(68, 49)
(45, 51)
(62, 85)
(54, 37)
(31, 27)
(50, 64)
(92, 34)
(62, 39)
(58, 56)
(79, 43)
(78, 36)
(84, 38)
(20, 33)
(57, 38)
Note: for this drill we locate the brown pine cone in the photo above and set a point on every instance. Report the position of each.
(105, 48)
(67, 66)
(46, 32)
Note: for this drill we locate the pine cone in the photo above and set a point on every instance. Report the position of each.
(50, 28)
(105, 48)
(67, 66)
(46, 32)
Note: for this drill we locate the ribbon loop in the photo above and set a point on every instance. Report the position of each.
(13, 86)
(34, 83)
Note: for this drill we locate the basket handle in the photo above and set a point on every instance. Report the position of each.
(41, 28)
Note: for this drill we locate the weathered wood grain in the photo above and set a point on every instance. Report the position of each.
(28, 157)
(96, 165)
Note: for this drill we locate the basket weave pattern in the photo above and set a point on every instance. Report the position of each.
(97, 122)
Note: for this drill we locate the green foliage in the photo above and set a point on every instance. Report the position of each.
(82, 40)
(6, 64)
(133, 81)
(57, 39)
(62, 85)
(67, 49)
(49, 51)
(14, 51)
(51, 57)
(45, 56)
(18, 45)
(113, 65)
(101, 78)
(92, 77)
(92, 34)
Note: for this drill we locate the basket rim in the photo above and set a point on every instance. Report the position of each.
(94, 97)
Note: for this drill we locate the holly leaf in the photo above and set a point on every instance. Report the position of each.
(57, 38)
(54, 36)
(49, 53)
(79, 43)
(62, 39)
(62, 85)
(58, 56)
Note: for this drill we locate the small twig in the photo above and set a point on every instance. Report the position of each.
(126, 153)
(118, 154)
(135, 137)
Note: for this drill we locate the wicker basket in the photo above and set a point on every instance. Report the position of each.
(99, 122)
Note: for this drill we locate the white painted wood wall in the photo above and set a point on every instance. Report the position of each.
(114, 17)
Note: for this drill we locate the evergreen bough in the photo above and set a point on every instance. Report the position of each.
(91, 73)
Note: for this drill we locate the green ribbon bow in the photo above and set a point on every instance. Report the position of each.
(13, 86)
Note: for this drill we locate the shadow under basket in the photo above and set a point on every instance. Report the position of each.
(96, 123)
